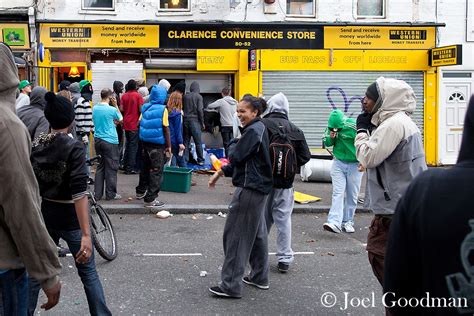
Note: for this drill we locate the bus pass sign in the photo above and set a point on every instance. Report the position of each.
(446, 56)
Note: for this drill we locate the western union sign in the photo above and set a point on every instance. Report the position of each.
(99, 36)
(446, 56)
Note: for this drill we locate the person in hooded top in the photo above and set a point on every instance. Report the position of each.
(227, 107)
(193, 121)
(346, 177)
(32, 115)
(431, 238)
(117, 89)
(23, 98)
(155, 137)
(392, 154)
(75, 90)
(25, 245)
(175, 111)
(281, 199)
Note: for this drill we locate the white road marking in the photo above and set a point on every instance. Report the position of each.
(169, 255)
(296, 253)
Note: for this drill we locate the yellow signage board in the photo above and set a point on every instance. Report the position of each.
(15, 35)
(99, 36)
(344, 60)
(379, 37)
(446, 56)
(217, 59)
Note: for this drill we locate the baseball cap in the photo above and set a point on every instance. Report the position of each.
(23, 83)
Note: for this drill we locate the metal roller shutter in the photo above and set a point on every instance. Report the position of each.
(312, 95)
(104, 75)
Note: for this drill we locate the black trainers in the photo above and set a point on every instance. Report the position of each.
(246, 280)
(218, 292)
(140, 196)
(283, 267)
(90, 181)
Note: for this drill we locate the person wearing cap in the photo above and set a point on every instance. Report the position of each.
(59, 163)
(346, 177)
(390, 147)
(25, 245)
(84, 124)
(23, 98)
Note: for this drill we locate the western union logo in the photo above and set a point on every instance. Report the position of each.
(407, 35)
(70, 32)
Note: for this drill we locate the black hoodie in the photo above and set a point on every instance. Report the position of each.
(431, 243)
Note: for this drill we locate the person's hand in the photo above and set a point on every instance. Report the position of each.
(181, 147)
(364, 122)
(333, 134)
(168, 152)
(83, 255)
(113, 100)
(361, 168)
(53, 295)
(203, 127)
(213, 180)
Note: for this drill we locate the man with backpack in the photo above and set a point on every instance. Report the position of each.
(288, 152)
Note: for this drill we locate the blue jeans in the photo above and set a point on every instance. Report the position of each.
(87, 272)
(177, 160)
(14, 292)
(346, 181)
(192, 129)
(131, 149)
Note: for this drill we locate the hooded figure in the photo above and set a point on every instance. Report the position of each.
(32, 115)
(193, 121)
(118, 90)
(75, 92)
(393, 156)
(431, 236)
(24, 240)
(151, 124)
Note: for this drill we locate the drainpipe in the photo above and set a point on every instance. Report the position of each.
(33, 43)
(416, 11)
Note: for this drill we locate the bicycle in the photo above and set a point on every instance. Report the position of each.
(102, 231)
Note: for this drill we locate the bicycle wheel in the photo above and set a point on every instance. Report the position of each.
(102, 232)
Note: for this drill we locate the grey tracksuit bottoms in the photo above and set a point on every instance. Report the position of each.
(278, 210)
(245, 240)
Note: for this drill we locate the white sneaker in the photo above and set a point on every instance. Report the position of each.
(348, 227)
(331, 228)
(154, 204)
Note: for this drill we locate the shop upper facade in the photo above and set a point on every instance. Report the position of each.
(353, 11)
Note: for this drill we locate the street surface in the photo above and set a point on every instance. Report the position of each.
(160, 263)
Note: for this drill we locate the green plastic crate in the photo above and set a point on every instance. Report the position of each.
(176, 179)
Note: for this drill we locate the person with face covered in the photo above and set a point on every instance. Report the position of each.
(245, 231)
(32, 115)
(389, 145)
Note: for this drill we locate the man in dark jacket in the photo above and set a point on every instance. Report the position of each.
(32, 115)
(431, 242)
(193, 121)
(281, 199)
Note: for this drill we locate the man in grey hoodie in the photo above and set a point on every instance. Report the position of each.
(75, 90)
(193, 121)
(226, 106)
(25, 244)
(32, 115)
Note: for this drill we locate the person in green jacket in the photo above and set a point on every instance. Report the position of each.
(345, 174)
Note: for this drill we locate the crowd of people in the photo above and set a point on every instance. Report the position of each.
(45, 143)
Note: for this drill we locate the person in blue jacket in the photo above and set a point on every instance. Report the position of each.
(155, 136)
(175, 112)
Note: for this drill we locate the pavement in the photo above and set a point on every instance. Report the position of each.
(201, 199)
(165, 266)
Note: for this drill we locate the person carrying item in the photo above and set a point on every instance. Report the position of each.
(106, 145)
(193, 121)
(346, 177)
(288, 152)
(155, 138)
(245, 231)
(226, 106)
(25, 245)
(392, 154)
(175, 106)
(60, 167)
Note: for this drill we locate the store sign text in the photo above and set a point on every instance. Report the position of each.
(446, 56)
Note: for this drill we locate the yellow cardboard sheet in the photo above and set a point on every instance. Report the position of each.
(305, 198)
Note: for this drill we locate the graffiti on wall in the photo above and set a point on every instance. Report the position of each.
(346, 101)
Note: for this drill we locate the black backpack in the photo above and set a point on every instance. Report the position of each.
(282, 155)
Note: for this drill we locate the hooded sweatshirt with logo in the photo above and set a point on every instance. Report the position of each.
(193, 105)
(432, 236)
(393, 154)
(32, 115)
(343, 143)
(227, 106)
(24, 240)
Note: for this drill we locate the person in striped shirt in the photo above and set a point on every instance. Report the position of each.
(84, 123)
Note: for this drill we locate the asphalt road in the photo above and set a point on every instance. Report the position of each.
(169, 281)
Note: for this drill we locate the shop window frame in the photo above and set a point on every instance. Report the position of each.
(84, 8)
(164, 10)
(292, 15)
(383, 16)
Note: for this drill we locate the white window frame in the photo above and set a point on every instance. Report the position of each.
(383, 16)
(302, 15)
(160, 9)
(84, 8)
